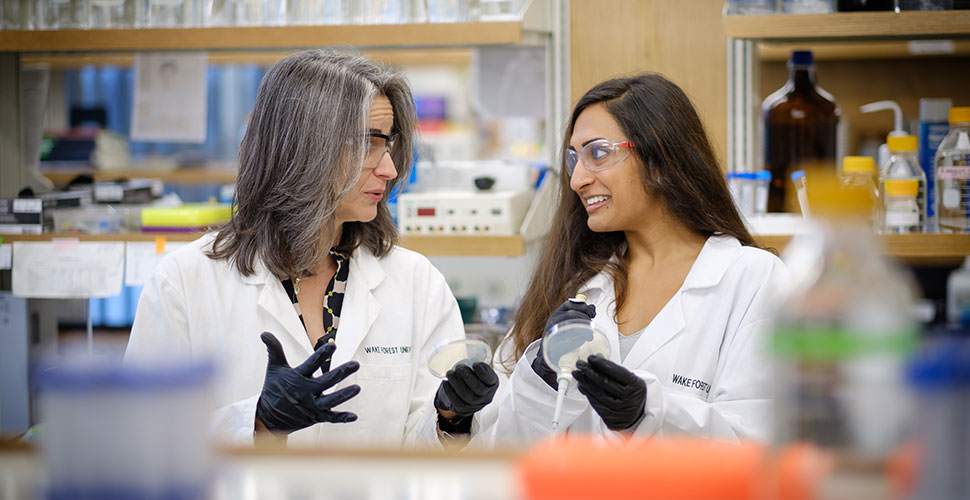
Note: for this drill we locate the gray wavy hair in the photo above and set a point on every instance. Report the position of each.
(303, 151)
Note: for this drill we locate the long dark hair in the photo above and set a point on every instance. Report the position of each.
(679, 168)
(302, 152)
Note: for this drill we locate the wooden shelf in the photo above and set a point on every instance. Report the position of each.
(928, 249)
(461, 245)
(413, 57)
(840, 51)
(850, 25)
(122, 237)
(445, 245)
(265, 37)
(186, 175)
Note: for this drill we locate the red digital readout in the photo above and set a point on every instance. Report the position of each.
(425, 212)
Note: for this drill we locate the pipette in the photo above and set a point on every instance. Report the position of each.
(566, 343)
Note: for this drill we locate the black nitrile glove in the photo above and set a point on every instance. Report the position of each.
(571, 309)
(292, 399)
(617, 394)
(467, 390)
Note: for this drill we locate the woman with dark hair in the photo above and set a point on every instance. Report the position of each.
(309, 260)
(647, 231)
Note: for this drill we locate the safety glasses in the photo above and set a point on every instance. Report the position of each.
(377, 145)
(597, 155)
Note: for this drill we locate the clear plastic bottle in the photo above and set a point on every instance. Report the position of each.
(952, 163)
(843, 332)
(902, 212)
(903, 165)
(860, 171)
(800, 128)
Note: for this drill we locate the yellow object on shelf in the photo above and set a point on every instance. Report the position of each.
(188, 215)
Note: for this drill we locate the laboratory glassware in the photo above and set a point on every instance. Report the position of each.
(952, 162)
(447, 355)
(902, 165)
(566, 343)
(800, 123)
(843, 331)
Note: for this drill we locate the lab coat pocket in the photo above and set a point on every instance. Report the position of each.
(383, 400)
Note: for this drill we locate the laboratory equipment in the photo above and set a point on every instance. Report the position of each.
(462, 212)
(940, 379)
(807, 6)
(762, 184)
(746, 7)
(901, 211)
(933, 127)
(952, 163)
(566, 343)
(467, 351)
(958, 295)
(801, 190)
(171, 13)
(841, 337)
(859, 171)
(864, 5)
(62, 14)
(800, 122)
(124, 430)
(112, 14)
(902, 187)
(188, 217)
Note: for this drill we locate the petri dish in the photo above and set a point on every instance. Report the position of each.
(466, 351)
(570, 341)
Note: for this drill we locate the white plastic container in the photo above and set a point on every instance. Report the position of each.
(958, 295)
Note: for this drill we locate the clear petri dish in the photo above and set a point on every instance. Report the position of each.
(570, 341)
(466, 351)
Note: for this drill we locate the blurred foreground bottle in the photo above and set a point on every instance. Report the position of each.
(842, 335)
(800, 122)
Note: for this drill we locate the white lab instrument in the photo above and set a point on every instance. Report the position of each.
(463, 212)
(449, 354)
(566, 343)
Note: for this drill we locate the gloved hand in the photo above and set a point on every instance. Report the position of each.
(467, 390)
(292, 399)
(617, 394)
(571, 309)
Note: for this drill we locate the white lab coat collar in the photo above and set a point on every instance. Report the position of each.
(707, 271)
(366, 273)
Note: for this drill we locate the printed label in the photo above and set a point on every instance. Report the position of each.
(902, 219)
(953, 172)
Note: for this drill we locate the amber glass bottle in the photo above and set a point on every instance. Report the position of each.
(800, 122)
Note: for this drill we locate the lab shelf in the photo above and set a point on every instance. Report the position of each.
(415, 57)
(430, 245)
(465, 245)
(184, 175)
(919, 249)
(839, 51)
(850, 25)
(110, 237)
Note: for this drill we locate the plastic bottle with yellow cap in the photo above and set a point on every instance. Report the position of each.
(859, 172)
(902, 211)
(903, 165)
(952, 163)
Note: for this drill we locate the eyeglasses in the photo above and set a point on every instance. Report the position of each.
(378, 144)
(600, 154)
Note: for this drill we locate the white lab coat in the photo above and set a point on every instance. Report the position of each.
(703, 357)
(395, 308)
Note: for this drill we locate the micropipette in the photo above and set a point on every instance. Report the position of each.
(566, 343)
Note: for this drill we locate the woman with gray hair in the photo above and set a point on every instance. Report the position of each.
(307, 270)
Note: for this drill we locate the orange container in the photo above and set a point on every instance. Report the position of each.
(669, 469)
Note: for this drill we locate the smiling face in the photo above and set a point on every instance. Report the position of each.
(614, 198)
(360, 204)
